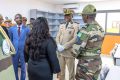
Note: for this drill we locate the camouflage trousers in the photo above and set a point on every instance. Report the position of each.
(88, 69)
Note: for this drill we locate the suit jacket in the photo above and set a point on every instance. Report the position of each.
(18, 41)
(67, 37)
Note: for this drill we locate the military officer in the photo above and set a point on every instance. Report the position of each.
(91, 38)
(65, 39)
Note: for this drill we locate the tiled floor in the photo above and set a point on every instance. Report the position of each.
(106, 60)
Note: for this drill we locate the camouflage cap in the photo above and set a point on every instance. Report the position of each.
(68, 11)
(89, 9)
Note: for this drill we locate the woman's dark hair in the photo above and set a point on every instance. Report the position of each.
(38, 34)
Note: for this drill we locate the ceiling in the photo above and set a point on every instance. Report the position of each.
(72, 1)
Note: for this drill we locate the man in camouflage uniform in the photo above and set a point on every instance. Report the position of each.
(6, 50)
(91, 38)
(65, 39)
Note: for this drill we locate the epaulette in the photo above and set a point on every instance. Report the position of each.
(63, 23)
(76, 22)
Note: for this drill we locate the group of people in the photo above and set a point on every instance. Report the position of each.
(83, 44)
(47, 56)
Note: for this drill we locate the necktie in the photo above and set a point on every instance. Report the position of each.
(19, 31)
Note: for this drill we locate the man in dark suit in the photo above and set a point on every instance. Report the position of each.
(18, 34)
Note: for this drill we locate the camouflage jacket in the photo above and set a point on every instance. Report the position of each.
(91, 38)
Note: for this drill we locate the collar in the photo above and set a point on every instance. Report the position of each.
(70, 22)
(20, 26)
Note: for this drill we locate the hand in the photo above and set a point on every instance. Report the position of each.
(58, 79)
(83, 44)
(60, 48)
(58, 76)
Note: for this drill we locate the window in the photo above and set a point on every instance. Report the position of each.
(113, 23)
(109, 20)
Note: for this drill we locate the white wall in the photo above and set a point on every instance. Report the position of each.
(59, 8)
(11, 7)
(103, 5)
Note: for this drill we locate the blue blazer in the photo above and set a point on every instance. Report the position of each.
(18, 41)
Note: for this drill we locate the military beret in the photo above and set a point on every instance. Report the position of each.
(67, 11)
